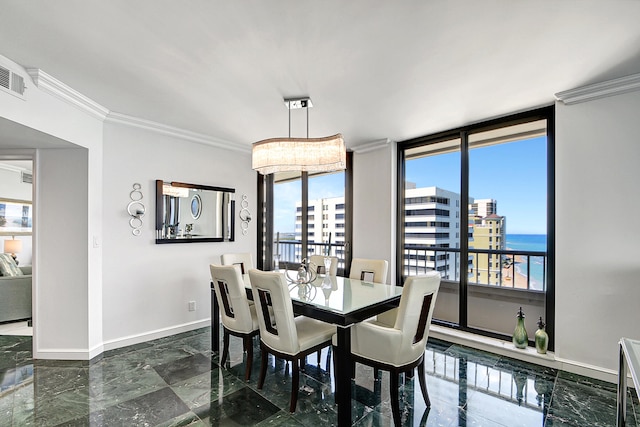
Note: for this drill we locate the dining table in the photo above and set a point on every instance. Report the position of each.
(337, 300)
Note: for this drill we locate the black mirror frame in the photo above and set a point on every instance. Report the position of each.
(160, 214)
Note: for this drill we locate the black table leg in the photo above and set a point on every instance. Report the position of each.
(622, 389)
(215, 322)
(343, 376)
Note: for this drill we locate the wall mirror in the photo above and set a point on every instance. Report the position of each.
(189, 213)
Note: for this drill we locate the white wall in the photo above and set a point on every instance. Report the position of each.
(67, 295)
(61, 267)
(374, 206)
(146, 287)
(597, 232)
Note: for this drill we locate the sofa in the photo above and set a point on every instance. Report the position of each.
(15, 296)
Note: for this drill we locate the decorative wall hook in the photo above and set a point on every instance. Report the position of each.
(136, 209)
(245, 215)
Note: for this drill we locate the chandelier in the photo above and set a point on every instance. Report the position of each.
(299, 154)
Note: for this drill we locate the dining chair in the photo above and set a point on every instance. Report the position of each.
(281, 334)
(244, 260)
(399, 347)
(238, 316)
(370, 270)
(318, 262)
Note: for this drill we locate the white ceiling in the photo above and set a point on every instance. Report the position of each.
(374, 69)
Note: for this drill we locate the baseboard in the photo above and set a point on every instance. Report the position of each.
(529, 355)
(62, 354)
(152, 335)
(75, 354)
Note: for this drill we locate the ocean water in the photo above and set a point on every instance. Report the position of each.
(529, 242)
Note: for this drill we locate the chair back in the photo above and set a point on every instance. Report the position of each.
(243, 260)
(232, 298)
(370, 270)
(275, 311)
(414, 313)
(318, 262)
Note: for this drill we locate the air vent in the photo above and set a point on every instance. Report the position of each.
(5, 78)
(27, 178)
(11, 81)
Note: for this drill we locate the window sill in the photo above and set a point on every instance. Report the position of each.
(493, 345)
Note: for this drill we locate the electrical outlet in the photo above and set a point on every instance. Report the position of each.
(192, 306)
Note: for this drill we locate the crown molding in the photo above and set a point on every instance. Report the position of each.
(55, 87)
(600, 90)
(370, 146)
(163, 129)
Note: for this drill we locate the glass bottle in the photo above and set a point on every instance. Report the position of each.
(520, 337)
(541, 338)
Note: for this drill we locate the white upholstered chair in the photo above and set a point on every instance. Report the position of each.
(281, 334)
(370, 270)
(244, 260)
(318, 262)
(238, 316)
(399, 347)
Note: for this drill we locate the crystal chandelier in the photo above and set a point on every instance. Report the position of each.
(299, 154)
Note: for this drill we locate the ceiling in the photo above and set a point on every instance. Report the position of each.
(374, 69)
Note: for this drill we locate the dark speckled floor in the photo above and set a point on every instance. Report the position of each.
(174, 382)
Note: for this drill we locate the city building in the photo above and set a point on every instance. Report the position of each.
(486, 234)
(432, 218)
(326, 223)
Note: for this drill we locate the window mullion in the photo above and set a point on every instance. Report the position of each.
(464, 229)
(304, 179)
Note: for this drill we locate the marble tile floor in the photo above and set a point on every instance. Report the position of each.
(174, 381)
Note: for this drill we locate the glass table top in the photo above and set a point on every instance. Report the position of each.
(340, 294)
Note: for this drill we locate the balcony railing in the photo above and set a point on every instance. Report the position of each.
(290, 252)
(505, 268)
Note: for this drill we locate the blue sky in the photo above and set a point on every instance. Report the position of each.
(287, 194)
(514, 174)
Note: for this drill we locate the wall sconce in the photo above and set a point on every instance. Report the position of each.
(245, 215)
(13, 247)
(136, 209)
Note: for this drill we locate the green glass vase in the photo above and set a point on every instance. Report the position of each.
(520, 337)
(541, 338)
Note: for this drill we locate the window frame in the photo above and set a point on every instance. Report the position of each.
(264, 237)
(463, 132)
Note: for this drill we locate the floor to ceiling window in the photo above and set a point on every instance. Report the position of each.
(289, 235)
(478, 208)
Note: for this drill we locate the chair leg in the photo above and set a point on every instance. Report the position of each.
(376, 374)
(225, 347)
(263, 367)
(295, 384)
(318, 356)
(248, 345)
(423, 384)
(395, 397)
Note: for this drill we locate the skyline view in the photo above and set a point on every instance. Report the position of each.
(514, 174)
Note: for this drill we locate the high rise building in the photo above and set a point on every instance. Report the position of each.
(486, 233)
(432, 221)
(325, 217)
